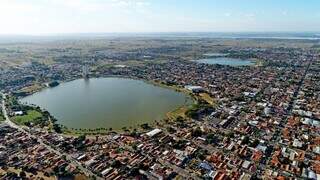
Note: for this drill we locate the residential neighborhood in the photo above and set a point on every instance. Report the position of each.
(246, 122)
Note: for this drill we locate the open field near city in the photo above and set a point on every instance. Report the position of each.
(31, 116)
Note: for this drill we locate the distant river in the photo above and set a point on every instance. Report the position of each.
(107, 102)
(226, 61)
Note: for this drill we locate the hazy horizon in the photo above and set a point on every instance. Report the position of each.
(166, 32)
(224, 35)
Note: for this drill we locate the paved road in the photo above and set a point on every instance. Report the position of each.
(50, 148)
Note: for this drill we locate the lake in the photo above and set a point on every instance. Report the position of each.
(107, 102)
(226, 61)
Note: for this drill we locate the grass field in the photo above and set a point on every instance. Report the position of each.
(207, 97)
(32, 88)
(178, 112)
(31, 116)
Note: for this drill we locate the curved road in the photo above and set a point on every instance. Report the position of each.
(50, 148)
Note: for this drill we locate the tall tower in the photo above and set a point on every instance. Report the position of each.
(85, 71)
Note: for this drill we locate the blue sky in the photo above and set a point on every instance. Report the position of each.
(85, 16)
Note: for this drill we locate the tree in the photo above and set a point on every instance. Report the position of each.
(116, 164)
(192, 113)
(12, 175)
(196, 132)
(57, 128)
(179, 144)
(254, 143)
(179, 119)
(134, 146)
(245, 140)
(211, 139)
(81, 138)
(171, 129)
(145, 126)
(22, 174)
(230, 135)
(201, 154)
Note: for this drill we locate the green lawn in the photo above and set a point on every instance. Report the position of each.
(31, 116)
(1, 117)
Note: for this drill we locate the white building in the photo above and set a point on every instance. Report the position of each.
(154, 132)
(18, 113)
(195, 89)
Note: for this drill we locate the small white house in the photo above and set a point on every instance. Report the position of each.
(18, 113)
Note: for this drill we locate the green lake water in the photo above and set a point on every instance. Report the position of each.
(107, 102)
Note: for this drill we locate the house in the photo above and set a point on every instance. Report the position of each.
(106, 171)
(246, 164)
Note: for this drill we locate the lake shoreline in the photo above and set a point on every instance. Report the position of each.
(69, 131)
